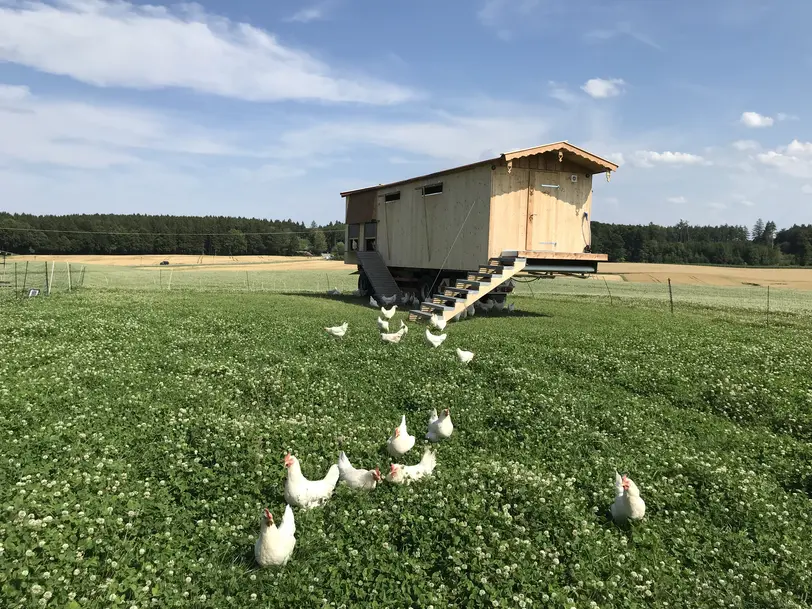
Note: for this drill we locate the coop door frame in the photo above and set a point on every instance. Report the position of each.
(542, 210)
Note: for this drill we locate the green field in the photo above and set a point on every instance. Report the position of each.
(143, 431)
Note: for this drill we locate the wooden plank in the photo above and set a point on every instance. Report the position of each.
(540, 255)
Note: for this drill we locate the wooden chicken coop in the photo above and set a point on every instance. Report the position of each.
(458, 235)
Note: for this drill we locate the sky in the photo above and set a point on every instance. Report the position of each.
(270, 109)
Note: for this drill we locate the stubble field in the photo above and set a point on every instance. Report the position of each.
(144, 431)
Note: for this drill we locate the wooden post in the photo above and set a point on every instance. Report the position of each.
(169, 283)
(82, 277)
(670, 295)
(15, 279)
(69, 284)
(47, 285)
(51, 283)
(607, 289)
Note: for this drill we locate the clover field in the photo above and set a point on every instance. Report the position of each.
(141, 434)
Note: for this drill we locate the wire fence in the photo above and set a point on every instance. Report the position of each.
(23, 280)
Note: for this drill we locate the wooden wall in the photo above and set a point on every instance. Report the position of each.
(417, 231)
(557, 223)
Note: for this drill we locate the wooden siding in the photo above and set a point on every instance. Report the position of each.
(526, 215)
(417, 231)
(361, 207)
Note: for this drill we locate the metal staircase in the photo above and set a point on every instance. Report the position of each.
(474, 287)
(383, 284)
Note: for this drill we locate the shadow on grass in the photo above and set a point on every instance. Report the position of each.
(364, 303)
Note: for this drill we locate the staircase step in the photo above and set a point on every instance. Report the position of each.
(416, 313)
(487, 276)
(473, 282)
(461, 290)
(436, 307)
(447, 297)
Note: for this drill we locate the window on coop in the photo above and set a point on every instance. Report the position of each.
(353, 235)
(433, 189)
(391, 196)
(370, 235)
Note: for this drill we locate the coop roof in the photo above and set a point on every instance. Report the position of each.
(578, 155)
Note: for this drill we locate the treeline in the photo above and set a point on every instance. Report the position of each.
(682, 243)
(142, 234)
(763, 245)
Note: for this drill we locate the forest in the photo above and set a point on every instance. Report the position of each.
(763, 245)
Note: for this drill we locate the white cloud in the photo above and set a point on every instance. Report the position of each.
(616, 157)
(562, 93)
(78, 134)
(795, 159)
(447, 137)
(106, 43)
(717, 205)
(601, 88)
(499, 15)
(677, 200)
(649, 158)
(755, 120)
(744, 145)
(806, 189)
(742, 200)
(786, 117)
(306, 15)
(623, 28)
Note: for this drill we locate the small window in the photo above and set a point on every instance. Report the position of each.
(353, 231)
(391, 196)
(433, 189)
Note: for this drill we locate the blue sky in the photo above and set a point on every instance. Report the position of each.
(270, 109)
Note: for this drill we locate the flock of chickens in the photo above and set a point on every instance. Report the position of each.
(276, 543)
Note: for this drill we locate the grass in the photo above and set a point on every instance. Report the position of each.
(143, 431)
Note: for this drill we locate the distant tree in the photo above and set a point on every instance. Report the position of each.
(338, 250)
(758, 231)
(304, 245)
(235, 243)
(319, 242)
(769, 233)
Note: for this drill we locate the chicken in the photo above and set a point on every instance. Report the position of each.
(373, 303)
(389, 300)
(361, 479)
(334, 292)
(403, 327)
(275, 544)
(304, 493)
(435, 340)
(400, 442)
(499, 305)
(628, 505)
(406, 474)
(511, 307)
(438, 322)
(465, 356)
(393, 337)
(471, 310)
(440, 427)
(383, 325)
(388, 313)
(338, 331)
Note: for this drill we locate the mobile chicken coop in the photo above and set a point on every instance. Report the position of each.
(461, 234)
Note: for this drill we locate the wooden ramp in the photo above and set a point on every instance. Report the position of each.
(467, 291)
(383, 284)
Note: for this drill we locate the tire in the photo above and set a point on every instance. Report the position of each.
(364, 286)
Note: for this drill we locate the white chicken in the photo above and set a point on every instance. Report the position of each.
(628, 504)
(334, 292)
(465, 356)
(392, 337)
(440, 427)
(275, 544)
(338, 331)
(360, 479)
(304, 493)
(438, 322)
(511, 307)
(400, 442)
(373, 303)
(499, 305)
(435, 340)
(403, 327)
(383, 325)
(388, 313)
(389, 300)
(471, 310)
(406, 474)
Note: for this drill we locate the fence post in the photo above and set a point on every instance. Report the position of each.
(670, 296)
(768, 303)
(25, 278)
(69, 284)
(16, 287)
(51, 282)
